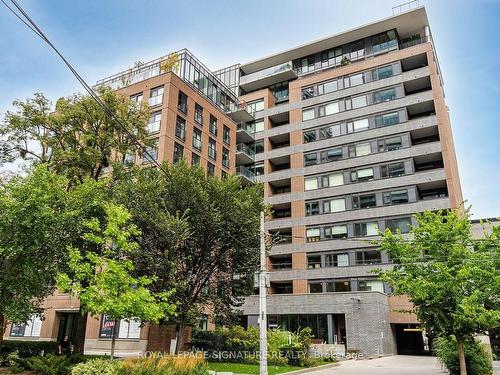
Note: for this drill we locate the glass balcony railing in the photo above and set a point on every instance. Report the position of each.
(245, 172)
(247, 128)
(244, 149)
(268, 72)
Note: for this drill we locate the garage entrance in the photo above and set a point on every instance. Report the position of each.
(410, 340)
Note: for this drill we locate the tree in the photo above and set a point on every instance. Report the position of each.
(199, 235)
(103, 282)
(452, 279)
(76, 139)
(31, 242)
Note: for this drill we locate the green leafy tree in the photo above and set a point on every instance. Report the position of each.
(199, 235)
(31, 243)
(452, 279)
(76, 138)
(103, 280)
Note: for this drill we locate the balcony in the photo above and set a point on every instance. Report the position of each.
(268, 77)
(244, 154)
(247, 176)
(245, 132)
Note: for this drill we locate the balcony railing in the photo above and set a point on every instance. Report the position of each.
(266, 73)
(246, 173)
(413, 41)
(244, 149)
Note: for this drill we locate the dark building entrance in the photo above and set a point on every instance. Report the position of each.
(67, 326)
(410, 339)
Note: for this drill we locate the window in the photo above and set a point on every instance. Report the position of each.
(210, 169)
(313, 234)
(360, 175)
(151, 154)
(337, 260)
(371, 286)
(197, 139)
(258, 168)
(255, 106)
(258, 126)
(308, 114)
(387, 119)
(402, 225)
(357, 79)
(124, 330)
(331, 155)
(358, 125)
(212, 149)
(384, 95)
(384, 41)
(198, 114)
(182, 102)
(366, 229)
(310, 159)
(129, 158)
(336, 232)
(338, 286)
(137, 98)
(313, 261)
(334, 205)
(307, 93)
(357, 49)
(330, 87)
(226, 135)
(396, 197)
(225, 157)
(329, 131)
(312, 208)
(329, 109)
(364, 201)
(284, 289)
(368, 257)
(258, 146)
(360, 150)
(180, 128)
(389, 144)
(381, 73)
(392, 170)
(310, 183)
(195, 159)
(359, 101)
(315, 288)
(309, 136)
(30, 329)
(213, 125)
(156, 96)
(178, 152)
(154, 122)
(335, 179)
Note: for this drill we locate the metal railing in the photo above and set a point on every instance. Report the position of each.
(405, 7)
(243, 148)
(243, 126)
(244, 171)
(413, 41)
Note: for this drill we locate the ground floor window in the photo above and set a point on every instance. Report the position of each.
(31, 328)
(124, 329)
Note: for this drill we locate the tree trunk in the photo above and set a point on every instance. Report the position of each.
(2, 326)
(461, 357)
(113, 340)
(180, 339)
(79, 340)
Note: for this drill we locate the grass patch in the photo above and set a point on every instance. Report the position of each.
(243, 368)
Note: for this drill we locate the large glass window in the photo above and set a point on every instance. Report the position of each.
(337, 260)
(210, 169)
(384, 95)
(154, 122)
(329, 131)
(402, 225)
(357, 79)
(360, 175)
(212, 149)
(151, 153)
(197, 139)
(392, 170)
(366, 229)
(396, 197)
(383, 72)
(198, 114)
(334, 205)
(368, 257)
(308, 114)
(358, 125)
(310, 183)
(313, 234)
(387, 119)
(31, 328)
(364, 201)
(226, 135)
(360, 150)
(195, 159)
(313, 261)
(390, 144)
(359, 101)
(156, 96)
(309, 136)
(256, 106)
(124, 329)
(371, 286)
(180, 128)
(334, 179)
(329, 109)
(336, 232)
(213, 125)
(310, 159)
(331, 155)
(182, 102)
(312, 208)
(225, 157)
(384, 41)
(178, 152)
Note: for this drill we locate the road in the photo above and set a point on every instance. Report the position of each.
(395, 365)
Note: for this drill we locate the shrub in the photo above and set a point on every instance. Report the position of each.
(50, 364)
(477, 357)
(16, 363)
(27, 349)
(97, 366)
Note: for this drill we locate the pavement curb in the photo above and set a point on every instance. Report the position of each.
(309, 369)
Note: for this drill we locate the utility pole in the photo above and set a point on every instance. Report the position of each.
(262, 300)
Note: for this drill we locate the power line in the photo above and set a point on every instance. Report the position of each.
(28, 22)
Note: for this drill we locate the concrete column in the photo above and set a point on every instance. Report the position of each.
(331, 328)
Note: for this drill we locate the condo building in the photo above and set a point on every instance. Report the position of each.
(349, 135)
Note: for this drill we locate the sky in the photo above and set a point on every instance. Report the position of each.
(101, 38)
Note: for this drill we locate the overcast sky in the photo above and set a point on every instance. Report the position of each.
(102, 37)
